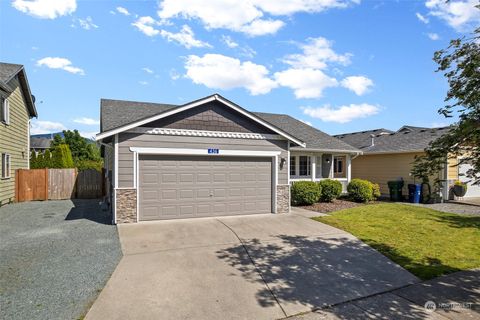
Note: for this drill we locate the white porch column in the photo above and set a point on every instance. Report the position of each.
(349, 168)
(331, 167)
(313, 166)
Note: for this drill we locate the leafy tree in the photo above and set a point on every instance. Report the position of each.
(40, 161)
(61, 157)
(47, 159)
(33, 160)
(460, 64)
(85, 154)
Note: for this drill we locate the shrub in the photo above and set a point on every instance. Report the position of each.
(375, 191)
(360, 190)
(330, 190)
(89, 164)
(47, 159)
(33, 160)
(61, 157)
(305, 193)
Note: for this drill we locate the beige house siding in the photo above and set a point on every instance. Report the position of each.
(14, 139)
(452, 170)
(381, 168)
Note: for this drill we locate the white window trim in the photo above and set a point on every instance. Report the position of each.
(6, 111)
(309, 166)
(6, 156)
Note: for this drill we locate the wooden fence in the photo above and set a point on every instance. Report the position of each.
(58, 184)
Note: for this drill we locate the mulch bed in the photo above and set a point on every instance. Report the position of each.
(337, 204)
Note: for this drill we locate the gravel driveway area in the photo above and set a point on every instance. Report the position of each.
(453, 208)
(56, 257)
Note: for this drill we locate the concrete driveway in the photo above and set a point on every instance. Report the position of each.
(252, 267)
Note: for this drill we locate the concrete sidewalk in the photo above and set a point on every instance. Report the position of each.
(251, 267)
(455, 296)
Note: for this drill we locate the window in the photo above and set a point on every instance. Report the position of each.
(5, 112)
(339, 167)
(293, 163)
(304, 162)
(5, 165)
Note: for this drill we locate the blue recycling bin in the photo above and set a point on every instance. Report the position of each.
(414, 193)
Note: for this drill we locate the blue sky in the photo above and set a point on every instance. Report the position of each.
(341, 65)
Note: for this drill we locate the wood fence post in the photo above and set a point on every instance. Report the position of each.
(46, 183)
(16, 185)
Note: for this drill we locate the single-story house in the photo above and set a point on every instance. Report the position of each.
(388, 155)
(40, 144)
(209, 157)
(17, 107)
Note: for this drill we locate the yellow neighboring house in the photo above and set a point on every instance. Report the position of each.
(17, 107)
(388, 155)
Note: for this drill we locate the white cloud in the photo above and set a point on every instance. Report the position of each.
(185, 37)
(247, 51)
(86, 23)
(229, 42)
(306, 83)
(306, 122)
(146, 26)
(87, 121)
(41, 127)
(261, 27)
(221, 72)
(123, 11)
(45, 9)
(358, 84)
(433, 36)
(422, 18)
(316, 53)
(60, 63)
(174, 75)
(342, 114)
(460, 15)
(143, 83)
(244, 16)
(148, 70)
(88, 134)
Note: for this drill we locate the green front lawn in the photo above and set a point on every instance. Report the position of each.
(426, 242)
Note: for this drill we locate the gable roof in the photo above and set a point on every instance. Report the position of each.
(314, 138)
(115, 114)
(406, 139)
(40, 143)
(165, 111)
(7, 72)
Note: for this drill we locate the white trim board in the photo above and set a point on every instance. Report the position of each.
(204, 152)
(205, 133)
(196, 104)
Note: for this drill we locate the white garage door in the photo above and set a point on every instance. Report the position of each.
(173, 187)
(472, 190)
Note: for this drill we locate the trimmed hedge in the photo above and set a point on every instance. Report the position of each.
(330, 190)
(305, 193)
(363, 190)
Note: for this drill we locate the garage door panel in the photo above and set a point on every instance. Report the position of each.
(196, 186)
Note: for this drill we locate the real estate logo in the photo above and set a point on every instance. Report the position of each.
(430, 306)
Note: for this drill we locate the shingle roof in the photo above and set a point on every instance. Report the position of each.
(116, 113)
(314, 138)
(10, 70)
(408, 139)
(40, 143)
